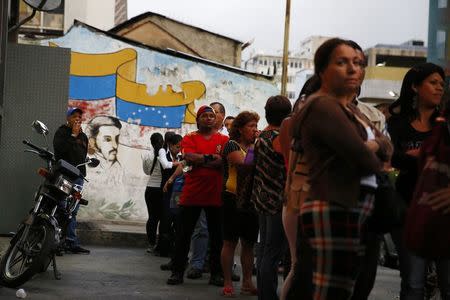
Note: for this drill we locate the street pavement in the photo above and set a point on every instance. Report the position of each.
(130, 273)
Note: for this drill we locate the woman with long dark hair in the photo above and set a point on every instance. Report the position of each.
(344, 153)
(413, 116)
(168, 157)
(153, 192)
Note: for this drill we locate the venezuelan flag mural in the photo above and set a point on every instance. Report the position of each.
(110, 78)
(129, 92)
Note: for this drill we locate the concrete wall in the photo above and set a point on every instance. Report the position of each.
(147, 91)
(163, 33)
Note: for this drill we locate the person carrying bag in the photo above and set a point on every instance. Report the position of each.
(428, 217)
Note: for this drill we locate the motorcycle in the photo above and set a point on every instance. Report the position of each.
(41, 235)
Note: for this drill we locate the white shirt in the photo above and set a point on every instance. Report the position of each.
(162, 158)
(224, 131)
(155, 178)
(370, 180)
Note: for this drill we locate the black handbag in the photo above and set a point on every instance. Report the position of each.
(389, 208)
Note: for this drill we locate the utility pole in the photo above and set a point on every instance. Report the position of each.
(286, 49)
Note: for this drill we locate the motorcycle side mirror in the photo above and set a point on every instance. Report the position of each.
(40, 127)
(93, 162)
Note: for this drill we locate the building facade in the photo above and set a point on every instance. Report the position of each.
(404, 55)
(271, 65)
(121, 12)
(439, 34)
(158, 31)
(386, 67)
(102, 14)
(309, 46)
(300, 65)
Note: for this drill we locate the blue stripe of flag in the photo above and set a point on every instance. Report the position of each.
(92, 87)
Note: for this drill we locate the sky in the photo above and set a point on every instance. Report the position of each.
(367, 22)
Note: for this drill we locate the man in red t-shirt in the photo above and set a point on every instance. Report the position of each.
(202, 189)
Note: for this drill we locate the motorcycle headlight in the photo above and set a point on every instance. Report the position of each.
(63, 185)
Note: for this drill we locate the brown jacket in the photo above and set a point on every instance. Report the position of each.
(334, 145)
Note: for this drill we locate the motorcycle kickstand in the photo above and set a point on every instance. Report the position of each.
(56, 273)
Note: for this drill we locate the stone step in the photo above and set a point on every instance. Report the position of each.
(112, 233)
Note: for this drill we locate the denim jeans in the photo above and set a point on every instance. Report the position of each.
(272, 245)
(71, 235)
(415, 277)
(199, 242)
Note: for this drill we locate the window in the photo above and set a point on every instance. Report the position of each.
(296, 65)
(260, 62)
(291, 64)
(442, 3)
(441, 37)
(265, 62)
(42, 21)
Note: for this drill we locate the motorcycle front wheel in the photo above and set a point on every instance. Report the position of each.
(26, 254)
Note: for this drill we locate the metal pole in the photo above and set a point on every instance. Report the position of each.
(13, 20)
(4, 9)
(286, 49)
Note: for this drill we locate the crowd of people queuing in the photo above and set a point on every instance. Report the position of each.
(302, 190)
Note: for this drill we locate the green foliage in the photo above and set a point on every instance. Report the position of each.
(112, 211)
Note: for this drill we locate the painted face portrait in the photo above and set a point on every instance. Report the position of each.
(107, 141)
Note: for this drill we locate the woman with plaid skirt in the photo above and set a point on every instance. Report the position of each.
(343, 154)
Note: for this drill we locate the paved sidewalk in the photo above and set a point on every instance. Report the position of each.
(112, 273)
(130, 273)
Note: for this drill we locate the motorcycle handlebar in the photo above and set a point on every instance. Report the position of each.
(83, 201)
(42, 151)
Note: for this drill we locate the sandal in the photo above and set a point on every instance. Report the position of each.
(228, 291)
(252, 291)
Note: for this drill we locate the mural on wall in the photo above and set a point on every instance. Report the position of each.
(127, 93)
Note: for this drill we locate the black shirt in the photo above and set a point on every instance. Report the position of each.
(69, 148)
(404, 138)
